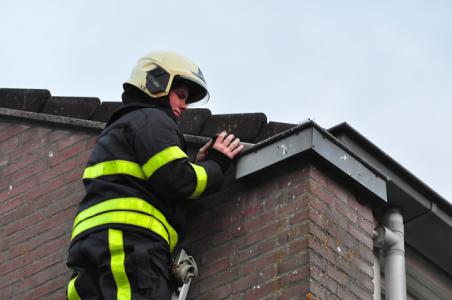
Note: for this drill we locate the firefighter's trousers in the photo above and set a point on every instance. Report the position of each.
(117, 264)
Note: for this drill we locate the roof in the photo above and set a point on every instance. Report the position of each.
(341, 148)
(250, 127)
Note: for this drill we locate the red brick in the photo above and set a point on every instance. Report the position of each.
(218, 293)
(10, 278)
(266, 232)
(57, 270)
(60, 204)
(23, 285)
(73, 139)
(66, 153)
(286, 209)
(217, 254)
(7, 147)
(15, 264)
(208, 269)
(35, 133)
(83, 157)
(56, 232)
(220, 238)
(16, 213)
(337, 189)
(315, 231)
(349, 212)
(253, 278)
(44, 262)
(17, 164)
(59, 134)
(65, 215)
(361, 293)
(322, 249)
(254, 210)
(25, 221)
(260, 221)
(321, 192)
(46, 187)
(18, 237)
(317, 290)
(58, 170)
(318, 176)
(218, 279)
(16, 189)
(47, 199)
(264, 260)
(337, 275)
(260, 290)
(363, 266)
(50, 247)
(337, 219)
(45, 289)
(11, 131)
(74, 176)
(292, 262)
(299, 217)
(31, 170)
(298, 291)
(361, 236)
(316, 260)
(366, 225)
(253, 251)
(11, 204)
(7, 293)
(296, 231)
(365, 254)
(316, 203)
(23, 248)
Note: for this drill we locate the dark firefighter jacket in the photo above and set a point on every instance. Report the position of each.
(139, 178)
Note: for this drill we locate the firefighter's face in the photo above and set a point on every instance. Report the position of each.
(178, 100)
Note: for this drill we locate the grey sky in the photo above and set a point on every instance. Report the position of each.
(385, 67)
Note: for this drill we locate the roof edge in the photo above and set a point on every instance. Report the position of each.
(51, 119)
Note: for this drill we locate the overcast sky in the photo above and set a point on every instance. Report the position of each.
(385, 67)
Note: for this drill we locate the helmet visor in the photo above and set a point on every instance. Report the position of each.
(197, 95)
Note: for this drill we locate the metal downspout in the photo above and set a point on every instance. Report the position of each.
(395, 275)
(377, 275)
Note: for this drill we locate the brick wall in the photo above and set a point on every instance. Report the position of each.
(40, 185)
(288, 232)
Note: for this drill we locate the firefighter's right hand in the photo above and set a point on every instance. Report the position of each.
(229, 145)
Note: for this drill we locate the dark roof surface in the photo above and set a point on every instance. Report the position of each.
(250, 127)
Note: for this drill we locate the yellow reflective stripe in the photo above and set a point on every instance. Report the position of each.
(201, 181)
(113, 167)
(127, 218)
(128, 203)
(115, 243)
(130, 211)
(71, 291)
(162, 158)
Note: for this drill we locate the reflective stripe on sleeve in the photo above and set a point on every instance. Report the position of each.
(129, 211)
(162, 158)
(71, 290)
(201, 181)
(113, 167)
(116, 245)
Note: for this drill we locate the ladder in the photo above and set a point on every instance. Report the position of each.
(184, 269)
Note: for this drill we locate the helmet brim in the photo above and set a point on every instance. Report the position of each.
(197, 94)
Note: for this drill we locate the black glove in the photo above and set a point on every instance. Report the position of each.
(215, 155)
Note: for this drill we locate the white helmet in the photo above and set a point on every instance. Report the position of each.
(156, 72)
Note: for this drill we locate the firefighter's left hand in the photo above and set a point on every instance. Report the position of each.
(202, 152)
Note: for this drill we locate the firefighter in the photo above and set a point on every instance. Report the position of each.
(139, 184)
